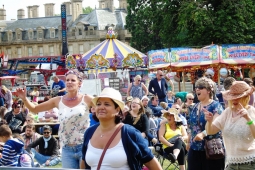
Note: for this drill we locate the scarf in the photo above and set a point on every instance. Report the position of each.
(46, 141)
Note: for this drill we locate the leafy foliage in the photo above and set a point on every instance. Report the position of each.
(157, 24)
(87, 10)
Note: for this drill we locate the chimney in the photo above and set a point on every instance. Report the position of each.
(101, 4)
(35, 11)
(76, 8)
(29, 12)
(2, 13)
(68, 8)
(123, 4)
(21, 13)
(49, 9)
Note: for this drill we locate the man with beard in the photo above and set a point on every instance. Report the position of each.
(30, 135)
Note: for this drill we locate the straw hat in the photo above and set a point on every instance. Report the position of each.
(237, 90)
(112, 94)
(129, 98)
(172, 111)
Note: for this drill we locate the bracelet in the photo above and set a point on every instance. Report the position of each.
(250, 122)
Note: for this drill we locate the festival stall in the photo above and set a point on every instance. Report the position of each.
(110, 61)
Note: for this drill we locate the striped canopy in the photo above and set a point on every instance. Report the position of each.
(111, 48)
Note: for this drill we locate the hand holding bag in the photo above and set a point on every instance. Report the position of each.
(213, 147)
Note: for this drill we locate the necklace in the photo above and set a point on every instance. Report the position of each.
(101, 135)
(70, 99)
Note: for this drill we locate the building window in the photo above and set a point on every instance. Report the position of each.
(19, 36)
(80, 32)
(40, 51)
(51, 51)
(52, 34)
(30, 35)
(19, 52)
(70, 49)
(9, 53)
(30, 51)
(40, 35)
(73, 32)
(81, 51)
(91, 46)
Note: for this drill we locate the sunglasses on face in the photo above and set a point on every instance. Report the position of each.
(18, 107)
(28, 120)
(138, 80)
(191, 99)
(200, 87)
(46, 132)
(177, 108)
(161, 75)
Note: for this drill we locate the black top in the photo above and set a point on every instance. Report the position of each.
(51, 150)
(15, 122)
(142, 125)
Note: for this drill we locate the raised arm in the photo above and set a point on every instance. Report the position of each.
(45, 106)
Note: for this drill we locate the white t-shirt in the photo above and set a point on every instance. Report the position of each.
(114, 158)
(159, 83)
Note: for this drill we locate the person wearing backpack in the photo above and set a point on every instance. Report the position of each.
(12, 147)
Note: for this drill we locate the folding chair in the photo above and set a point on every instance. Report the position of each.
(164, 158)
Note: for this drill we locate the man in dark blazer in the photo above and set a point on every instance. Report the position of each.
(159, 86)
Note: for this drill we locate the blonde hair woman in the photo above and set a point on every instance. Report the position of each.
(7, 95)
(137, 88)
(35, 94)
(187, 106)
(136, 117)
(237, 126)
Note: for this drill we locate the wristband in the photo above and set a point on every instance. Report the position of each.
(250, 122)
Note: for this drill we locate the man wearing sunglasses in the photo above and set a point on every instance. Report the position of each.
(48, 148)
(159, 86)
(15, 118)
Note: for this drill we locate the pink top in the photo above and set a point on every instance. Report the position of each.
(237, 137)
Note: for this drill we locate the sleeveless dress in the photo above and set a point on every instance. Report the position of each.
(73, 123)
(136, 91)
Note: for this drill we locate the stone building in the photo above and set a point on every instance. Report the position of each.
(42, 36)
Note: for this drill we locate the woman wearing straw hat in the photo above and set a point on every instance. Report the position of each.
(237, 126)
(126, 151)
(196, 155)
(173, 127)
(73, 115)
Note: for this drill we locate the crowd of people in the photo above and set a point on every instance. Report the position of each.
(180, 121)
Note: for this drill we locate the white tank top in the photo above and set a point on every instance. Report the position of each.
(73, 123)
(114, 158)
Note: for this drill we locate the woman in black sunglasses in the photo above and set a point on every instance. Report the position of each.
(196, 156)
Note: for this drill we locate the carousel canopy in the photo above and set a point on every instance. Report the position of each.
(114, 51)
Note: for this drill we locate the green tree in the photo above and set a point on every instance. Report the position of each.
(163, 23)
(87, 10)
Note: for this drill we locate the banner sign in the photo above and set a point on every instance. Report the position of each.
(238, 51)
(64, 35)
(194, 54)
(158, 57)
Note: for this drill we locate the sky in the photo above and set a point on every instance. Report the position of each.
(12, 6)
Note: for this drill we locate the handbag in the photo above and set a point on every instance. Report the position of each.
(173, 139)
(213, 147)
(108, 144)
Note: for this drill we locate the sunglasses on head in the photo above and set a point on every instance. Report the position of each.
(200, 87)
(46, 132)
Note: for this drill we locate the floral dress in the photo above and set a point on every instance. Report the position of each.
(196, 117)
